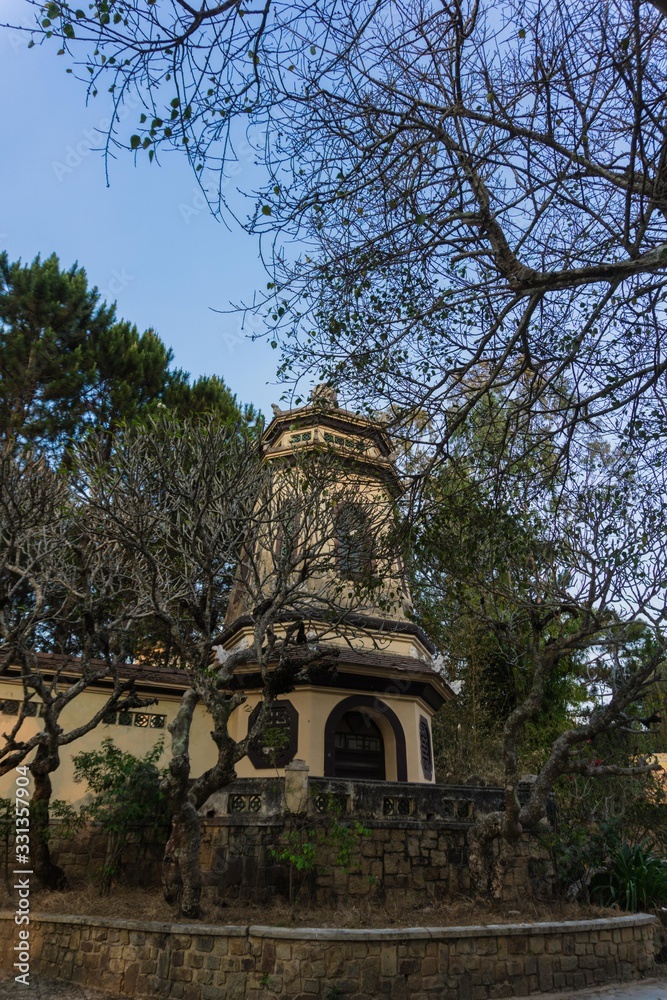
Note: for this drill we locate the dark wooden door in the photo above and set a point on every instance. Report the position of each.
(359, 748)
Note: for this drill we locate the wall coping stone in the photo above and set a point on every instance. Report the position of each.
(348, 933)
(474, 930)
(116, 923)
(409, 823)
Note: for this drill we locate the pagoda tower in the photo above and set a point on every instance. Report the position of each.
(370, 716)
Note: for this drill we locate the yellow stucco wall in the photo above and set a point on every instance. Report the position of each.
(396, 643)
(129, 738)
(314, 705)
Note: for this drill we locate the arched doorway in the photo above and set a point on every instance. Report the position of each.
(358, 748)
(386, 724)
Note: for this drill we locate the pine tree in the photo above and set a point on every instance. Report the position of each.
(67, 364)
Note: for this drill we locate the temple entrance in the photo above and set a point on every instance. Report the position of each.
(358, 748)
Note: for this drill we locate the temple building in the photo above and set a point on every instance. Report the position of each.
(367, 717)
(370, 716)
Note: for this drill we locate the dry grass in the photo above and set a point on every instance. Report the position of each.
(147, 904)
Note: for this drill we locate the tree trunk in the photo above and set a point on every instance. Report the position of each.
(482, 837)
(500, 862)
(115, 846)
(181, 865)
(49, 874)
(181, 872)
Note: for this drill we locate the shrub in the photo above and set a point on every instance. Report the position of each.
(635, 879)
(127, 798)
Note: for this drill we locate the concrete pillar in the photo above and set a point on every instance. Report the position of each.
(296, 787)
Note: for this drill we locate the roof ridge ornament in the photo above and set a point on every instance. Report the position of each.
(324, 396)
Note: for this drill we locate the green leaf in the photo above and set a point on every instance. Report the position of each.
(135, 141)
(522, 32)
(420, 219)
(266, 210)
(175, 103)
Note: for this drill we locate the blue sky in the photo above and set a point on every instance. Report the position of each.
(146, 241)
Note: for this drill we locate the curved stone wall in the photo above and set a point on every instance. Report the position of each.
(206, 962)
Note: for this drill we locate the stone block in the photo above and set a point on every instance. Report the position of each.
(203, 975)
(429, 966)
(388, 960)
(203, 943)
(545, 973)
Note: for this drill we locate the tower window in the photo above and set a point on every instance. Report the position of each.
(353, 537)
(425, 748)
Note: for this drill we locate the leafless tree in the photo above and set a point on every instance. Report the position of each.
(62, 591)
(189, 504)
(572, 590)
(477, 188)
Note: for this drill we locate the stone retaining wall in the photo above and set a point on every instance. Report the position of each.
(200, 962)
(83, 855)
(414, 844)
(412, 863)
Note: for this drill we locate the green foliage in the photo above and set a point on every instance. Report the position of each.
(70, 818)
(595, 815)
(273, 741)
(310, 847)
(484, 572)
(68, 365)
(467, 742)
(636, 879)
(126, 797)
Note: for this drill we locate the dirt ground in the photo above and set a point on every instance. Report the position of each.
(148, 904)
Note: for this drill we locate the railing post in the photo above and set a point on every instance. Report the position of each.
(296, 787)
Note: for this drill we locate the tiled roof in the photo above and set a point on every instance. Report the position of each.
(341, 656)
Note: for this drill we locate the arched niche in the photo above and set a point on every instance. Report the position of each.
(386, 720)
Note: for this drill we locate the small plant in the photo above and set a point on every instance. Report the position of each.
(306, 847)
(127, 798)
(636, 879)
(274, 741)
